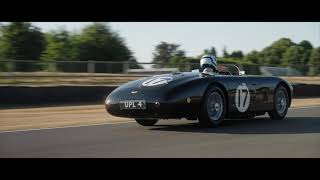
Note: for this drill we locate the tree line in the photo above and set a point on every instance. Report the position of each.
(23, 41)
(283, 52)
(97, 41)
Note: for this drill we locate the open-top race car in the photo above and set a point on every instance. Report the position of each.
(193, 95)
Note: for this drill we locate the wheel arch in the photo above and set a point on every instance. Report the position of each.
(224, 90)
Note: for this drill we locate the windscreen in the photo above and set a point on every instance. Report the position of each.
(228, 69)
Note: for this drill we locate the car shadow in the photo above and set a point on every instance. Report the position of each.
(290, 125)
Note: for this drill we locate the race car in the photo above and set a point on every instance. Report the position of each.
(195, 96)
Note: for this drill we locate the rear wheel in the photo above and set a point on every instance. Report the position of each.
(280, 104)
(147, 122)
(213, 108)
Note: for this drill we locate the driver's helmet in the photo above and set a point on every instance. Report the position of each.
(208, 64)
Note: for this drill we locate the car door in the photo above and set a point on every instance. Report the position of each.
(242, 93)
(263, 93)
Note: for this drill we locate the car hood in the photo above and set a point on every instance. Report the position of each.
(158, 85)
(167, 80)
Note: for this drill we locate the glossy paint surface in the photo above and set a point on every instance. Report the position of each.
(180, 94)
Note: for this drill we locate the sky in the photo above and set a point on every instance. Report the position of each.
(194, 37)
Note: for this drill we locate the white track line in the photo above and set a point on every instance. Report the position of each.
(109, 123)
(304, 107)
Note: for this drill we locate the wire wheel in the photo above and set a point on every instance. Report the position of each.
(215, 106)
(280, 104)
(281, 101)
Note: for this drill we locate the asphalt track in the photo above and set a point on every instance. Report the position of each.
(296, 136)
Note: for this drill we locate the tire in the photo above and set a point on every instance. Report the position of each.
(280, 111)
(147, 122)
(217, 116)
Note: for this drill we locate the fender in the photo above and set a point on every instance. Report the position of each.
(180, 95)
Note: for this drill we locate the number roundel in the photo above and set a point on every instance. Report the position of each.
(157, 81)
(242, 98)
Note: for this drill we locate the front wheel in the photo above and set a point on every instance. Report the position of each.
(147, 122)
(280, 104)
(213, 108)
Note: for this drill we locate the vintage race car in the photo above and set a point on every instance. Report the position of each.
(195, 96)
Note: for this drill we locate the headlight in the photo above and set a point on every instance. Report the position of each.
(107, 102)
(189, 100)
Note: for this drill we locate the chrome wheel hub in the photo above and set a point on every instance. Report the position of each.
(215, 106)
(281, 102)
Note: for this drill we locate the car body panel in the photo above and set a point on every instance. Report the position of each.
(172, 91)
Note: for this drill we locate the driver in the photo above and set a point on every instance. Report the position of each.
(208, 64)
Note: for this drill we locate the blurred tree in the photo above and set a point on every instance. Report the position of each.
(180, 53)
(253, 57)
(307, 46)
(134, 64)
(97, 42)
(270, 56)
(315, 61)
(236, 55)
(306, 56)
(273, 53)
(59, 47)
(164, 52)
(225, 53)
(211, 51)
(293, 57)
(21, 41)
(175, 61)
(183, 63)
(3, 66)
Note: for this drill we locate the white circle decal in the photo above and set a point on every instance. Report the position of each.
(242, 97)
(157, 81)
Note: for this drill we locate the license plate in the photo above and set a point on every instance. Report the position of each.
(133, 104)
